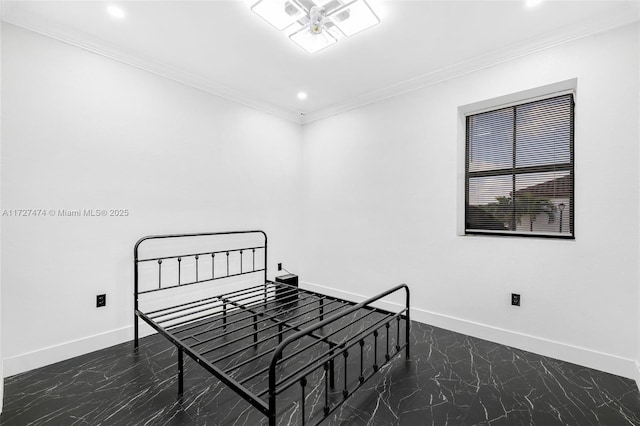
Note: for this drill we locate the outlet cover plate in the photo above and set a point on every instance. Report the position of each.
(101, 300)
(515, 299)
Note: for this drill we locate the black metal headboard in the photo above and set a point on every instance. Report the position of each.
(242, 258)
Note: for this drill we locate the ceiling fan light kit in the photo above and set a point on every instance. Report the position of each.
(317, 24)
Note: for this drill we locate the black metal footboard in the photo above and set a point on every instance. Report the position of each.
(351, 344)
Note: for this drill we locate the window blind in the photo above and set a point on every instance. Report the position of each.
(519, 171)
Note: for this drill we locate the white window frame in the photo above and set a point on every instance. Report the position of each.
(530, 95)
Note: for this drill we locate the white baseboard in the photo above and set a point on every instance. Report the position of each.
(52, 354)
(582, 356)
(577, 355)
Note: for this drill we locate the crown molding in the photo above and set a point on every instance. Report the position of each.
(13, 15)
(627, 14)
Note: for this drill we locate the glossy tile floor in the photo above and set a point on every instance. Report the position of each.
(451, 379)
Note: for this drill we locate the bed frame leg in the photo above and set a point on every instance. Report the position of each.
(255, 331)
(224, 316)
(272, 401)
(180, 372)
(408, 335)
(135, 331)
(332, 370)
(407, 325)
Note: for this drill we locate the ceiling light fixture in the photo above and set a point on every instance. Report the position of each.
(302, 95)
(532, 3)
(317, 24)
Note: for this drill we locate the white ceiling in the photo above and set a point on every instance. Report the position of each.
(223, 48)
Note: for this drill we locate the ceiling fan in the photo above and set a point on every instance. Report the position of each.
(317, 24)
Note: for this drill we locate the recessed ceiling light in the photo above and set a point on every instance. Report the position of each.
(532, 3)
(302, 95)
(115, 11)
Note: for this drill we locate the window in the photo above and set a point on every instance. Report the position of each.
(519, 174)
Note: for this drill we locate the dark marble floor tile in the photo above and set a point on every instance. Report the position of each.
(451, 379)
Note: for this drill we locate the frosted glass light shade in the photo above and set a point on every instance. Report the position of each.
(310, 41)
(321, 2)
(316, 24)
(279, 13)
(354, 17)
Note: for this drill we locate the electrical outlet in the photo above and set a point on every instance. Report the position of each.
(279, 266)
(101, 300)
(515, 299)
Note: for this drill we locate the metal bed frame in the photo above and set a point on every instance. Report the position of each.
(270, 330)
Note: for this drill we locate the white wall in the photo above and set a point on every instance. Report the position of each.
(1, 355)
(638, 335)
(376, 204)
(81, 131)
(381, 199)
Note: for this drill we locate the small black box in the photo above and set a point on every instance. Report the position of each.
(289, 279)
